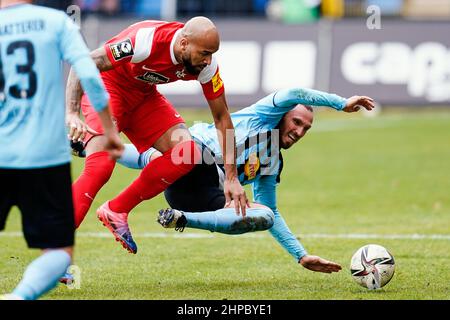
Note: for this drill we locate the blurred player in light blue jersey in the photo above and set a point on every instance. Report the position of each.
(34, 152)
(275, 122)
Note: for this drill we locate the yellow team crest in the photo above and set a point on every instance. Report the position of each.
(251, 166)
(217, 82)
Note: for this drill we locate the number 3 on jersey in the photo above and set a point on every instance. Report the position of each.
(26, 69)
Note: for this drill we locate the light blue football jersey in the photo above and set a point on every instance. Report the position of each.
(257, 143)
(34, 41)
(259, 159)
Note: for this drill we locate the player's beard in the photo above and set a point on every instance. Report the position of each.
(190, 68)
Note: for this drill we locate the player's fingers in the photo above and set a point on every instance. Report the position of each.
(83, 133)
(318, 268)
(337, 268)
(236, 204)
(326, 269)
(227, 199)
(366, 106)
(243, 205)
(369, 100)
(369, 105)
(322, 269)
(333, 267)
(78, 134)
(72, 128)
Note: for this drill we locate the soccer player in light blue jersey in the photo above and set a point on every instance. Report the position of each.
(34, 149)
(275, 122)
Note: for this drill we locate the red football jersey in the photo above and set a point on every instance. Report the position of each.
(142, 56)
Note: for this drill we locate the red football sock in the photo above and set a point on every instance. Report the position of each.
(157, 176)
(97, 171)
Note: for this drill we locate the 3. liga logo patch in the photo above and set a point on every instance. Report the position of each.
(122, 49)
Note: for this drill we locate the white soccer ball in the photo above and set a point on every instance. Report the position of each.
(372, 266)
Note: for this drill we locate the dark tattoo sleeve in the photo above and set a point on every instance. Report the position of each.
(74, 90)
(101, 59)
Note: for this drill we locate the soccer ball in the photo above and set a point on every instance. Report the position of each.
(372, 266)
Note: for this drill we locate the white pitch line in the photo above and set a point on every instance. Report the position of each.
(380, 236)
(255, 235)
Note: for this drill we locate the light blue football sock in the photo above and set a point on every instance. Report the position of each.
(43, 274)
(226, 221)
(131, 158)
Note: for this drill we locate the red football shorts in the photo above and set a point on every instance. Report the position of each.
(142, 117)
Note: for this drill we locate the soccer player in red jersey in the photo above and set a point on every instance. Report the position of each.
(132, 63)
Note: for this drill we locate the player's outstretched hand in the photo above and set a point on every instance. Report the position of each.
(315, 263)
(234, 191)
(356, 102)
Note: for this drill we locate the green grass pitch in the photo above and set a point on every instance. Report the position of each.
(351, 181)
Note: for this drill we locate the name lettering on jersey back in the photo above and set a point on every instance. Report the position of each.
(122, 49)
(22, 27)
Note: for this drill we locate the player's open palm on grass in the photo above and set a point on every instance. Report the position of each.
(318, 264)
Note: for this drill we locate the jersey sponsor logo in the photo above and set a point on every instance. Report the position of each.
(180, 74)
(153, 78)
(252, 165)
(217, 82)
(122, 49)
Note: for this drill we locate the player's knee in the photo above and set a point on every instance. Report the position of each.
(268, 218)
(264, 212)
(257, 219)
(186, 155)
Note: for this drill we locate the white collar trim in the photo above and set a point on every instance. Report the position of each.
(172, 45)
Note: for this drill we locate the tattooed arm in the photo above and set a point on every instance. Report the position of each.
(76, 83)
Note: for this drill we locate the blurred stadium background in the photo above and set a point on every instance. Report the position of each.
(352, 180)
(399, 57)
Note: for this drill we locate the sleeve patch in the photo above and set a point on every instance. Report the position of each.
(122, 49)
(217, 82)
